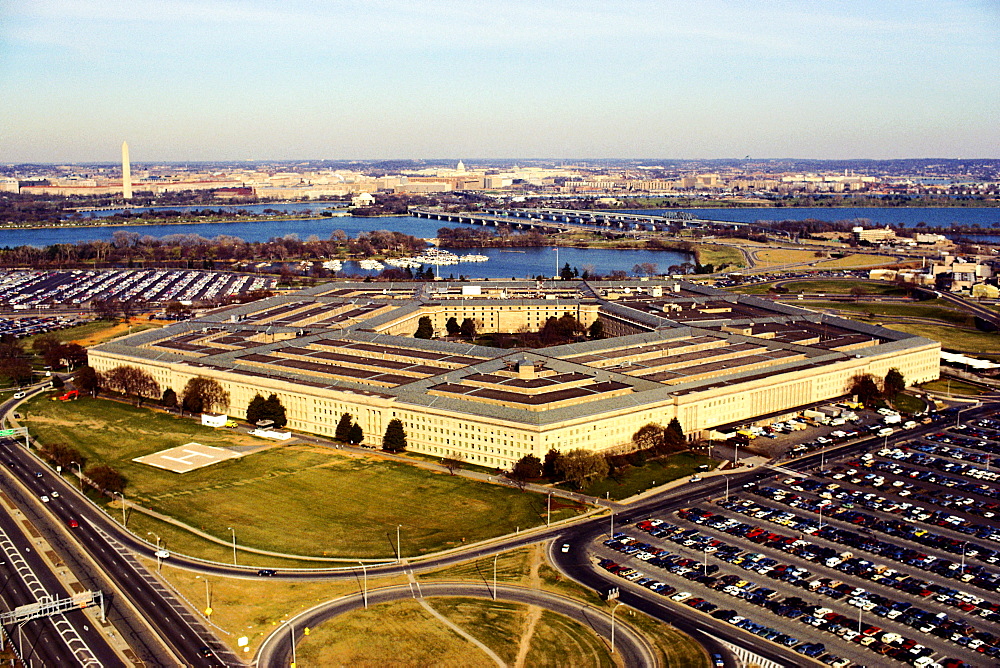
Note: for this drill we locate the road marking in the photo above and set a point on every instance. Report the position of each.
(63, 627)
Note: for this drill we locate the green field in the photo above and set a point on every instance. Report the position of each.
(951, 386)
(954, 338)
(826, 286)
(719, 255)
(291, 499)
(933, 309)
(640, 478)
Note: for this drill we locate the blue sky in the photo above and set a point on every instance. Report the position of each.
(341, 79)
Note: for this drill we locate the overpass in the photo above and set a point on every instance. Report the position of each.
(564, 220)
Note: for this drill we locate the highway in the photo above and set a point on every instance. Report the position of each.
(177, 636)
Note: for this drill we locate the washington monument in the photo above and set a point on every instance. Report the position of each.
(126, 173)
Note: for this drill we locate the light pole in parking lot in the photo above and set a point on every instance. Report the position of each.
(860, 609)
(233, 531)
(613, 610)
(727, 486)
(495, 575)
(962, 570)
(364, 589)
(958, 415)
(704, 551)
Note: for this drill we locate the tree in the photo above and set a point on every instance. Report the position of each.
(169, 399)
(566, 273)
(394, 439)
(255, 409)
(865, 388)
(893, 384)
(452, 462)
(356, 434)
(132, 381)
(274, 410)
(425, 329)
(673, 436)
(86, 380)
(649, 437)
(343, 427)
(106, 479)
(204, 395)
(858, 292)
(596, 330)
(577, 466)
(468, 328)
(550, 467)
(527, 468)
(57, 382)
(452, 326)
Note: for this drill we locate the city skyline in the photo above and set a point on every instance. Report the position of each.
(307, 80)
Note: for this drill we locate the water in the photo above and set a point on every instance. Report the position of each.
(878, 217)
(532, 262)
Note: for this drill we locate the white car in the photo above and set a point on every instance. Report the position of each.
(44, 498)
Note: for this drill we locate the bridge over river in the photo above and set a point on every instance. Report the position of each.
(566, 220)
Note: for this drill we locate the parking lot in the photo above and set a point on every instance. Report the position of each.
(46, 289)
(890, 557)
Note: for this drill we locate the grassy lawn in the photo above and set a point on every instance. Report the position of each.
(560, 641)
(252, 608)
(315, 501)
(92, 333)
(389, 634)
(944, 386)
(834, 287)
(854, 261)
(655, 472)
(719, 255)
(932, 309)
(954, 338)
(907, 403)
(784, 256)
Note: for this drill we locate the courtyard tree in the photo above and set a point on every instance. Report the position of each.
(394, 439)
(425, 329)
(468, 328)
(596, 330)
(452, 326)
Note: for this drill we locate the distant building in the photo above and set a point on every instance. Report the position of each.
(364, 199)
(873, 236)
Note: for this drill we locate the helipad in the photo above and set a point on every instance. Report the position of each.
(187, 457)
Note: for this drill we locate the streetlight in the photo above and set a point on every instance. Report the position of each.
(234, 543)
(364, 590)
(122, 494)
(613, 610)
(548, 510)
(399, 547)
(79, 470)
(495, 575)
(705, 552)
(612, 524)
(154, 534)
(962, 571)
(958, 416)
(727, 486)
(736, 454)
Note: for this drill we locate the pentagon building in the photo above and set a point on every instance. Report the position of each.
(673, 349)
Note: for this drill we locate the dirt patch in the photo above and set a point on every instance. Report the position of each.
(534, 612)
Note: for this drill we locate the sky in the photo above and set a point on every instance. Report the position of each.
(373, 79)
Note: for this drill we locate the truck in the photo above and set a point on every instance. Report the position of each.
(69, 396)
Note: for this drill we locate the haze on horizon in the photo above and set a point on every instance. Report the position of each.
(306, 79)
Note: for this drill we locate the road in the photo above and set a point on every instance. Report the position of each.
(60, 640)
(633, 648)
(178, 636)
